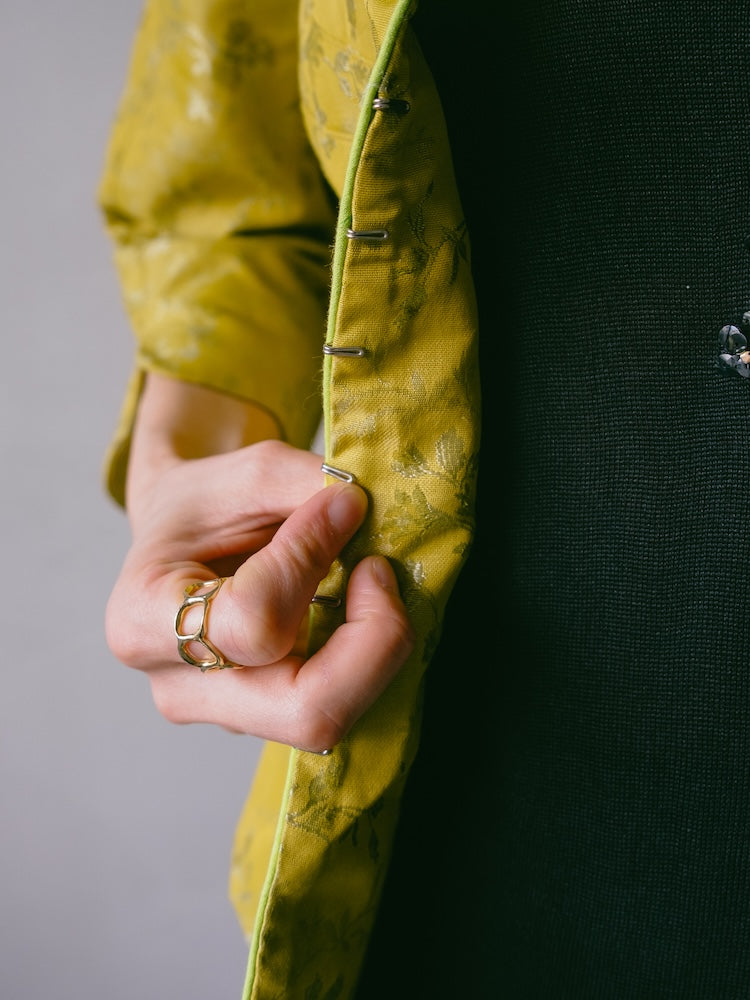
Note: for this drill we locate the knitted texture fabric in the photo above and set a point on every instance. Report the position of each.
(595, 663)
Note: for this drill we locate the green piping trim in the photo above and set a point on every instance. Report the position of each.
(273, 864)
(344, 220)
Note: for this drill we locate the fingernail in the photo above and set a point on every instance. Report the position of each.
(347, 508)
(383, 573)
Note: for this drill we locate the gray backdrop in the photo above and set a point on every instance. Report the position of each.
(115, 826)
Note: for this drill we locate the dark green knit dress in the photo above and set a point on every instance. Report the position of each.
(578, 823)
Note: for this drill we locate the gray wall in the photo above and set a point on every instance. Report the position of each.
(115, 827)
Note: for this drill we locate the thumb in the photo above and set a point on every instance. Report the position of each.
(270, 593)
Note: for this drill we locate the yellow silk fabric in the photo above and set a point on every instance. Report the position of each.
(231, 298)
(221, 219)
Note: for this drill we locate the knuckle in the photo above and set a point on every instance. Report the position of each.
(265, 454)
(315, 727)
(122, 639)
(169, 705)
(405, 637)
(399, 637)
(307, 555)
(320, 732)
(261, 632)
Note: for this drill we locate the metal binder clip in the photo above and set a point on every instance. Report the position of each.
(344, 352)
(341, 474)
(391, 104)
(368, 235)
(326, 601)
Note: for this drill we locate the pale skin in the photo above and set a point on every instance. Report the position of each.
(212, 492)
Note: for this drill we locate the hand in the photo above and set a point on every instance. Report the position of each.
(258, 513)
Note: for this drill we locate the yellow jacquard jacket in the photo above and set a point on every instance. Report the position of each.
(280, 192)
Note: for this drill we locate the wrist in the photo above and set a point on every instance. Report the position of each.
(179, 421)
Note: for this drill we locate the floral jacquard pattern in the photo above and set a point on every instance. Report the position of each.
(403, 419)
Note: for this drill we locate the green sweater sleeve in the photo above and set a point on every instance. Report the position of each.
(221, 220)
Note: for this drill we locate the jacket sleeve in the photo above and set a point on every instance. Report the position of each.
(221, 220)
